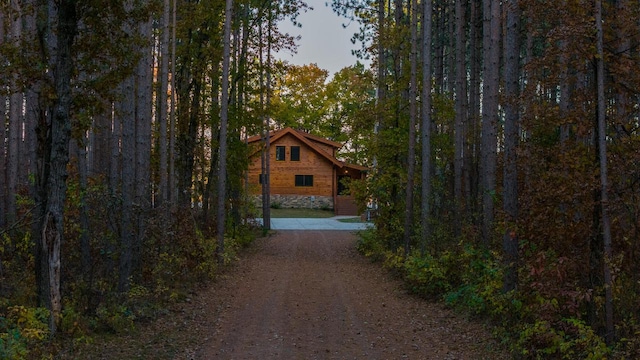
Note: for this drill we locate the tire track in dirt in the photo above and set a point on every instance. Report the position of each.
(310, 295)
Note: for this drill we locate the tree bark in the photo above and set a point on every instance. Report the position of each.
(511, 140)
(411, 157)
(425, 126)
(56, 158)
(163, 186)
(604, 197)
(126, 110)
(489, 136)
(266, 163)
(15, 119)
(224, 117)
(144, 104)
(172, 195)
(3, 113)
(461, 115)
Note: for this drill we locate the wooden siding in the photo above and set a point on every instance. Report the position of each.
(283, 172)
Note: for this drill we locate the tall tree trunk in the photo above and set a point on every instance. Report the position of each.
(15, 118)
(163, 186)
(3, 114)
(490, 81)
(115, 170)
(266, 215)
(472, 152)
(411, 157)
(80, 152)
(126, 111)
(425, 126)
(224, 117)
(382, 63)
(215, 140)
(56, 157)
(144, 104)
(511, 140)
(461, 116)
(100, 161)
(604, 197)
(172, 195)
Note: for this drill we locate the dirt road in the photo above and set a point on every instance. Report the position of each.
(310, 295)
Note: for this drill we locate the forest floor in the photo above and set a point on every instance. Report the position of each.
(304, 295)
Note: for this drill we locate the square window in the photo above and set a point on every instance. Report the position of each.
(295, 153)
(280, 153)
(304, 180)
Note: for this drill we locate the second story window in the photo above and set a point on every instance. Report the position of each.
(295, 153)
(280, 153)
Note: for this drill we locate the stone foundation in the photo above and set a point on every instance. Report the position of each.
(298, 202)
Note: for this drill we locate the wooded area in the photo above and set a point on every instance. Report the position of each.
(504, 138)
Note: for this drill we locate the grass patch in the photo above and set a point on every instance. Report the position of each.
(353, 220)
(301, 213)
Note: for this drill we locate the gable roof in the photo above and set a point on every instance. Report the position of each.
(310, 141)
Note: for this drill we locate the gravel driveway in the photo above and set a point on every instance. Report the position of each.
(310, 295)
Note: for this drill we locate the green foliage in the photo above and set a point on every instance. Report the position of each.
(20, 328)
(115, 318)
(276, 205)
(566, 339)
(427, 275)
(370, 244)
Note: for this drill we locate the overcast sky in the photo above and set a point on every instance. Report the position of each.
(324, 40)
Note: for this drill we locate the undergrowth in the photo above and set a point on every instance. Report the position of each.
(542, 319)
(175, 259)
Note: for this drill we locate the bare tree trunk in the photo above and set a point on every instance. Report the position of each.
(425, 126)
(80, 151)
(411, 157)
(490, 81)
(224, 117)
(511, 140)
(144, 104)
(382, 62)
(461, 116)
(3, 114)
(163, 187)
(126, 111)
(115, 170)
(100, 161)
(53, 185)
(15, 119)
(475, 64)
(172, 124)
(604, 197)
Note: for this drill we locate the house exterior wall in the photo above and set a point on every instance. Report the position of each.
(283, 172)
(298, 201)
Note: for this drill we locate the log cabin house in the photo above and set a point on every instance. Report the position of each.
(304, 172)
